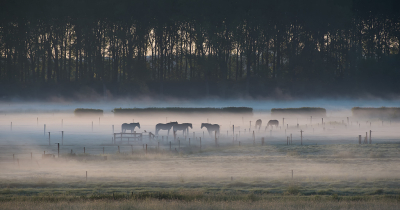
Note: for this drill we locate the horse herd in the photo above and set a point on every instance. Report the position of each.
(184, 127)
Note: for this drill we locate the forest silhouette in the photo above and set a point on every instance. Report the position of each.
(193, 48)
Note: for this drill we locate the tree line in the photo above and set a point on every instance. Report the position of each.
(119, 42)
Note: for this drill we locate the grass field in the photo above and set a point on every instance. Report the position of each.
(330, 169)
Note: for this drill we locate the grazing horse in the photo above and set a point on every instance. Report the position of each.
(211, 127)
(272, 123)
(130, 126)
(258, 123)
(184, 127)
(167, 126)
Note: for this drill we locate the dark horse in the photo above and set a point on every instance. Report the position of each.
(258, 123)
(167, 126)
(184, 127)
(130, 126)
(211, 127)
(272, 123)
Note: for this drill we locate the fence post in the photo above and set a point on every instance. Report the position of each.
(49, 138)
(370, 132)
(254, 139)
(44, 132)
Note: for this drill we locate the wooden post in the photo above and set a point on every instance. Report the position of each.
(370, 132)
(215, 134)
(301, 136)
(44, 129)
(254, 139)
(359, 139)
(366, 138)
(49, 138)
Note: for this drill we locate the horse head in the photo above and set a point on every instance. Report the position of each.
(190, 125)
(202, 125)
(138, 125)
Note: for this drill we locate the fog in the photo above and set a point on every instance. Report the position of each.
(325, 151)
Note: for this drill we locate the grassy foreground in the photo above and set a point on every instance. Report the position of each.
(190, 200)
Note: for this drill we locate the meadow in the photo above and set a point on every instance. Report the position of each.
(324, 167)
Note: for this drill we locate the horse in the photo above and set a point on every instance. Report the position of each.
(272, 123)
(258, 123)
(130, 126)
(184, 127)
(167, 126)
(211, 127)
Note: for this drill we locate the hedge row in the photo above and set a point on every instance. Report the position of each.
(239, 110)
(81, 112)
(308, 111)
(382, 112)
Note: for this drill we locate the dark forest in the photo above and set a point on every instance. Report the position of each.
(193, 48)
